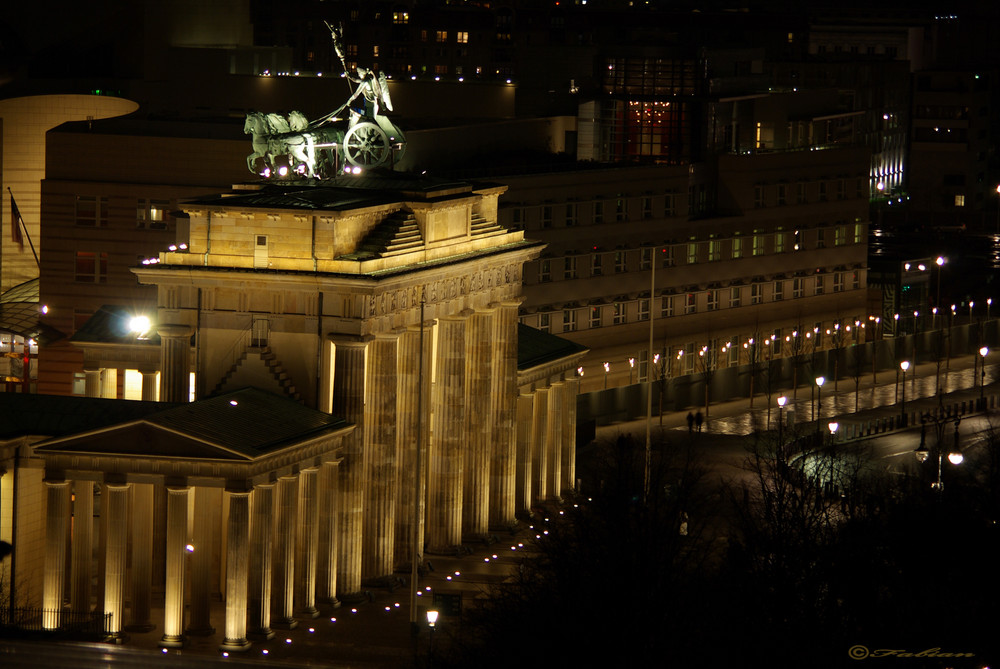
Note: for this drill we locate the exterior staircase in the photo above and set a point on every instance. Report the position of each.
(272, 370)
(396, 235)
(483, 227)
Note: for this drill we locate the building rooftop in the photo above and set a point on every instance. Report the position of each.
(535, 347)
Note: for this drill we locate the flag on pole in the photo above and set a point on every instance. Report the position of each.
(16, 224)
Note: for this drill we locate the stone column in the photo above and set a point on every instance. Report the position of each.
(237, 562)
(478, 426)
(348, 402)
(283, 569)
(175, 362)
(568, 468)
(92, 382)
(206, 502)
(444, 494)
(109, 383)
(326, 564)
(525, 426)
(56, 523)
(539, 434)
(142, 557)
(409, 398)
(176, 549)
(116, 507)
(83, 545)
(308, 539)
(503, 446)
(149, 387)
(553, 445)
(261, 540)
(380, 459)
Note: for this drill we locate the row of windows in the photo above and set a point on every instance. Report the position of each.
(693, 252)
(620, 313)
(782, 194)
(92, 211)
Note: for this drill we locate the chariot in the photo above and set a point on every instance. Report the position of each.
(364, 138)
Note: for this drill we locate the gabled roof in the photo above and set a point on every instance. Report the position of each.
(535, 347)
(24, 414)
(110, 325)
(241, 425)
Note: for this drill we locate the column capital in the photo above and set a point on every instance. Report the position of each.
(174, 331)
(55, 479)
(349, 340)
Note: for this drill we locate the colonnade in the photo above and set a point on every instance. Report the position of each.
(468, 445)
(546, 440)
(276, 559)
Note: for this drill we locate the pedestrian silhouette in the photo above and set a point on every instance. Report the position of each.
(699, 419)
(690, 422)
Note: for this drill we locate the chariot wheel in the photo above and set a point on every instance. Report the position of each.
(366, 145)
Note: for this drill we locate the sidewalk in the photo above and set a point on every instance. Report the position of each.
(875, 401)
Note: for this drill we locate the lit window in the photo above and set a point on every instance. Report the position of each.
(779, 241)
(692, 253)
(959, 200)
(714, 250)
(151, 214)
(462, 37)
(441, 36)
(758, 243)
(737, 248)
(400, 18)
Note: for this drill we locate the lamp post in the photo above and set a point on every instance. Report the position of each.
(904, 365)
(983, 352)
(781, 424)
(607, 369)
(631, 367)
(819, 400)
(432, 617)
(955, 456)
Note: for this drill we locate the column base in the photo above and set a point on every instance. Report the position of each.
(117, 639)
(140, 628)
(353, 597)
(287, 624)
(310, 612)
(333, 602)
(234, 646)
(173, 641)
(265, 634)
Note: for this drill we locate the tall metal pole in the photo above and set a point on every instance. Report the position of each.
(415, 534)
(649, 379)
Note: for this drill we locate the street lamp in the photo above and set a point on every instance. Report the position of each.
(432, 617)
(955, 456)
(820, 380)
(607, 368)
(631, 366)
(983, 352)
(781, 423)
(832, 426)
(904, 365)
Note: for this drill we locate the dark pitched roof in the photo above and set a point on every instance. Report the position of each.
(240, 425)
(19, 314)
(535, 347)
(57, 416)
(111, 325)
